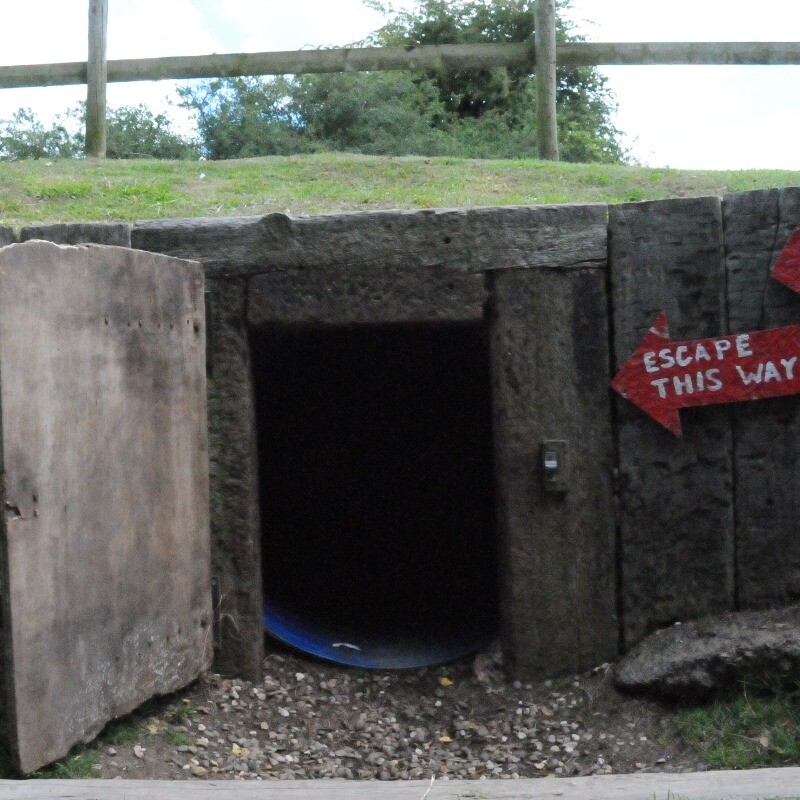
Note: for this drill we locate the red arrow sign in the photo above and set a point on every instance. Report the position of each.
(662, 377)
(787, 267)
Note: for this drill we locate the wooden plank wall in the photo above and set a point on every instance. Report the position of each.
(549, 332)
(676, 505)
(235, 519)
(708, 522)
(765, 434)
(105, 532)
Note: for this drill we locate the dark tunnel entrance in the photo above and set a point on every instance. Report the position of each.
(376, 483)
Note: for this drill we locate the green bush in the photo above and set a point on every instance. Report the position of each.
(24, 136)
(474, 113)
(244, 117)
(135, 132)
(385, 113)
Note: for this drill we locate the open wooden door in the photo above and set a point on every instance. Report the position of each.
(104, 552)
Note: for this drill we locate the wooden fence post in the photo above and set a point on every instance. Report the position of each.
(96, 73)
(545, 40)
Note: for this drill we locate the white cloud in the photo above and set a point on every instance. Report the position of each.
(151, 28)
(687, 20)
(702, 117)
(297, 24)
(49, 31)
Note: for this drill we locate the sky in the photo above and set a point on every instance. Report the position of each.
(675, 116)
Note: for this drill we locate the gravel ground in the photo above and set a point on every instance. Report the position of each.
(312, 719)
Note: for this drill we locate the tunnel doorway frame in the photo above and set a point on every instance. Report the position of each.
(557, 585)
(537, 277)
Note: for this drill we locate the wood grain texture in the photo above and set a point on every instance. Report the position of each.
(445, 240)
(422, 57)
(96, 78)
(755, 784)
(545, 40)
(105, 525)
(550, 364)
(575, 54)
(235, 522)
(676, 502)
(114, 233)
(297, 62)
(374, 296)
(767, 460)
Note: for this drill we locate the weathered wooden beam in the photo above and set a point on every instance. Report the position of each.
(376, 59)
(549, 382)
(81, 544)
(96, 75)
(294, 62)
(757, 226)
(576, 54)
(712, 785)
(676, 518)
(545, 41)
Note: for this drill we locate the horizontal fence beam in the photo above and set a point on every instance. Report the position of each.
(422, 57)
(584, 54)
(296, 62)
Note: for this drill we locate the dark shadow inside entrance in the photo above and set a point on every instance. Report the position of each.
(376, 490)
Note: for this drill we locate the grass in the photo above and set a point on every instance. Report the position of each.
(176, 738)
(79, 763)
(91, 190)
(139, 727)
(755, 728)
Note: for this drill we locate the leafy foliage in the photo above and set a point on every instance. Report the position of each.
(473, 113)
(470, 92)
(470, 113)
(373, 113)
(24, 136)
(243, 117)
(133, 132)
(584, 103)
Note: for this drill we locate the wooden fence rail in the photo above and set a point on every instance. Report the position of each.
(422, 57)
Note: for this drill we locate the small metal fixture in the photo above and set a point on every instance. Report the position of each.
(555, 465)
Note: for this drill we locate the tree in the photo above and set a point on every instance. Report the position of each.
(474, 113)
(584, 103)
(472, 92)
(243, 117)
(24, 136)
(375, 113)
(134, 131)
